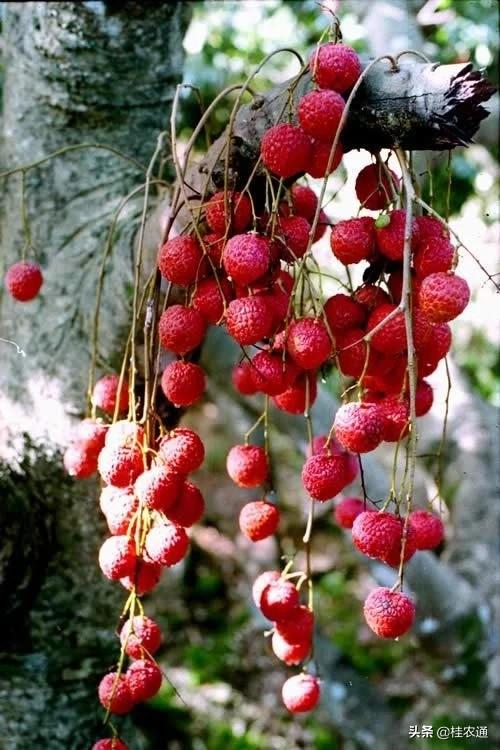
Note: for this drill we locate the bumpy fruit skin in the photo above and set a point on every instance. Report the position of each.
(294, 231)
(371, 296)
(141, 637)
(290, 653)
(396, 415)
(158, 488)
(279, 600)
(343, 312)
(335, 66)
(320, 448)
(301, 693)
(324, 476)
(109, 495)
(166, 544)
(181, 329)
(438, 345)
(180, 260)
(242, 379)
(351, 352)
(143, 679)
(319, 114)
(391, 337)
(122, 433)
(443, 296)
(114, 694)
(188, 508)
(121, 510)
(318, 161)
(301, 395)
(304, 201)
(120, 466)
(182, 450)
(285, 150)
(213, 243)
(298, 627)
(210, 298)
(430, 228)
(353, 240)
(259, 520)
(373, 188)
(261, 582)
(80, 461)
(24, 280)
(108, 744)
(428, 528)
(395, 285)
(379, 535)
(183, 383)
(247, 465)
(433, 256)
(246, 257)
(145, 577)
(240, 212)
(390, 238)
(271, 374)
(105, 394)
(358, 427)
(117, 557)
(308, 343)
(92, 434)
(249, 319)
(424, 398)
(347, 511)
(389, 614)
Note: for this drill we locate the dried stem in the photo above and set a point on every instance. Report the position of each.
(406, 300)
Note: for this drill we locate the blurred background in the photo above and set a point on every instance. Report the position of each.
(223, 688)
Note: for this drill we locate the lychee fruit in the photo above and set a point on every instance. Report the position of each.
(335, 66)
(301, 693)
(183, 383)
(23, 280)
(166, 544)
(247, 465)
(285, 150)
(259, 520)
(389, 614)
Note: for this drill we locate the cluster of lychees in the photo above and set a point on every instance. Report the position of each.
(242, 262)
(245, 264)
(148, 503)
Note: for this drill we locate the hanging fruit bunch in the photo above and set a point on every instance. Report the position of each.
(237, 254)
(243, 262)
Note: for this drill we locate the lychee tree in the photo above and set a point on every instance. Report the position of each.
(235, 254)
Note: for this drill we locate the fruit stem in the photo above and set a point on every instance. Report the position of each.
(406, 298)
(100, 285)
(310, 516)
(138, 266)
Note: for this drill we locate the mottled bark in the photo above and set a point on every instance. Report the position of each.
(74, 72)
(413, 105)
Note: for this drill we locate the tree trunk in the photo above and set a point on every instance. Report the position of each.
(74, 73)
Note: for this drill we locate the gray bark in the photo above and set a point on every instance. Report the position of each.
(414, 106)
(74, 72)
